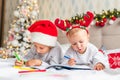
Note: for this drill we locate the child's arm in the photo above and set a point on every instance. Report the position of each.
(68, 58)
(33, 62)
(99, 66)
(99, 61)
(71, 62)
(19, 63)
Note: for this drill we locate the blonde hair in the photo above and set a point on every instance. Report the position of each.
(74, 30)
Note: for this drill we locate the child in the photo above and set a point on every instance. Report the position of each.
(81, 50)
(45, 49)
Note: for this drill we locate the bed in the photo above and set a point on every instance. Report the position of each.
(51, 74)
(107, 36)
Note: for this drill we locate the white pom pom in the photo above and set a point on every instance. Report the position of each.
(16, 29)
(16, 14)
(18, 37)
(22, 49)
(22, 20)
(34, 13)
(24, 34)
(93, 23)
(19, 44)
(25, 39)
(15, 43)
(18, 21)
(24, 43)
(111, 22)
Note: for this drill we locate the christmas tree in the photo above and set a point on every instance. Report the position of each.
(18, 39)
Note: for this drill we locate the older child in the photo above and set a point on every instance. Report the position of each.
(45, 49)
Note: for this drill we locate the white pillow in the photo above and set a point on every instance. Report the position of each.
(111, 51)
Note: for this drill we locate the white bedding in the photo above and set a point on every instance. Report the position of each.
(10, 73)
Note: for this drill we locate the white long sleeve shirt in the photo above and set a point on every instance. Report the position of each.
(90, 57)
(53, 57)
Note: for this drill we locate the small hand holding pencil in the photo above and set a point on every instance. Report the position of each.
(18, 62)
(71, 61)
(33, 62)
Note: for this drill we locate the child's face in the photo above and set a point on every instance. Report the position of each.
(79, 41)
(41, 49)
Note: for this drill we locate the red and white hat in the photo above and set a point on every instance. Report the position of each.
(44, 32)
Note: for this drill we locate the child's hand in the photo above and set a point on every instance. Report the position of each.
(33, 62)
(99, 66)
(19, 63)
(71, 62)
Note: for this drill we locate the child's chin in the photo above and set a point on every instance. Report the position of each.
(80, 51)
(42, 53)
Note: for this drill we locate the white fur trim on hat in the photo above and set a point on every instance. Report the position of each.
(43, 39)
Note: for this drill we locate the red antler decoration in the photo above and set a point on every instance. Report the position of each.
(88, 18)
(64, 25)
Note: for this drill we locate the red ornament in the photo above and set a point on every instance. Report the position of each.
(97, 23)
(113, 18)
(102, 24)
(104, 19)
(77, 21)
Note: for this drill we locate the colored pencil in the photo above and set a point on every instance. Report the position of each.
(28, 71)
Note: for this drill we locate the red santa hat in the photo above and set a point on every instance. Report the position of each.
(44, 32)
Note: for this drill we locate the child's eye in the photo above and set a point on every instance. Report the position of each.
(80, 41)
(35, 46)
(74, 44)
(40, 47)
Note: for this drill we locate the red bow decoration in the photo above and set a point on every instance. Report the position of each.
(65, 25)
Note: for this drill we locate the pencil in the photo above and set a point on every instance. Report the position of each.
(67, 57)
(17, 56)
(23, 68)
(32, 71)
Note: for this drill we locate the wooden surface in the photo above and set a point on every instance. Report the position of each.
(10, 6)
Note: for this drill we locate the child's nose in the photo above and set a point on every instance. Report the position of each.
(78, 45)
(38, 50)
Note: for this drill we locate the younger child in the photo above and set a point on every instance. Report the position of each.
(45, 49)
(82, 51)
